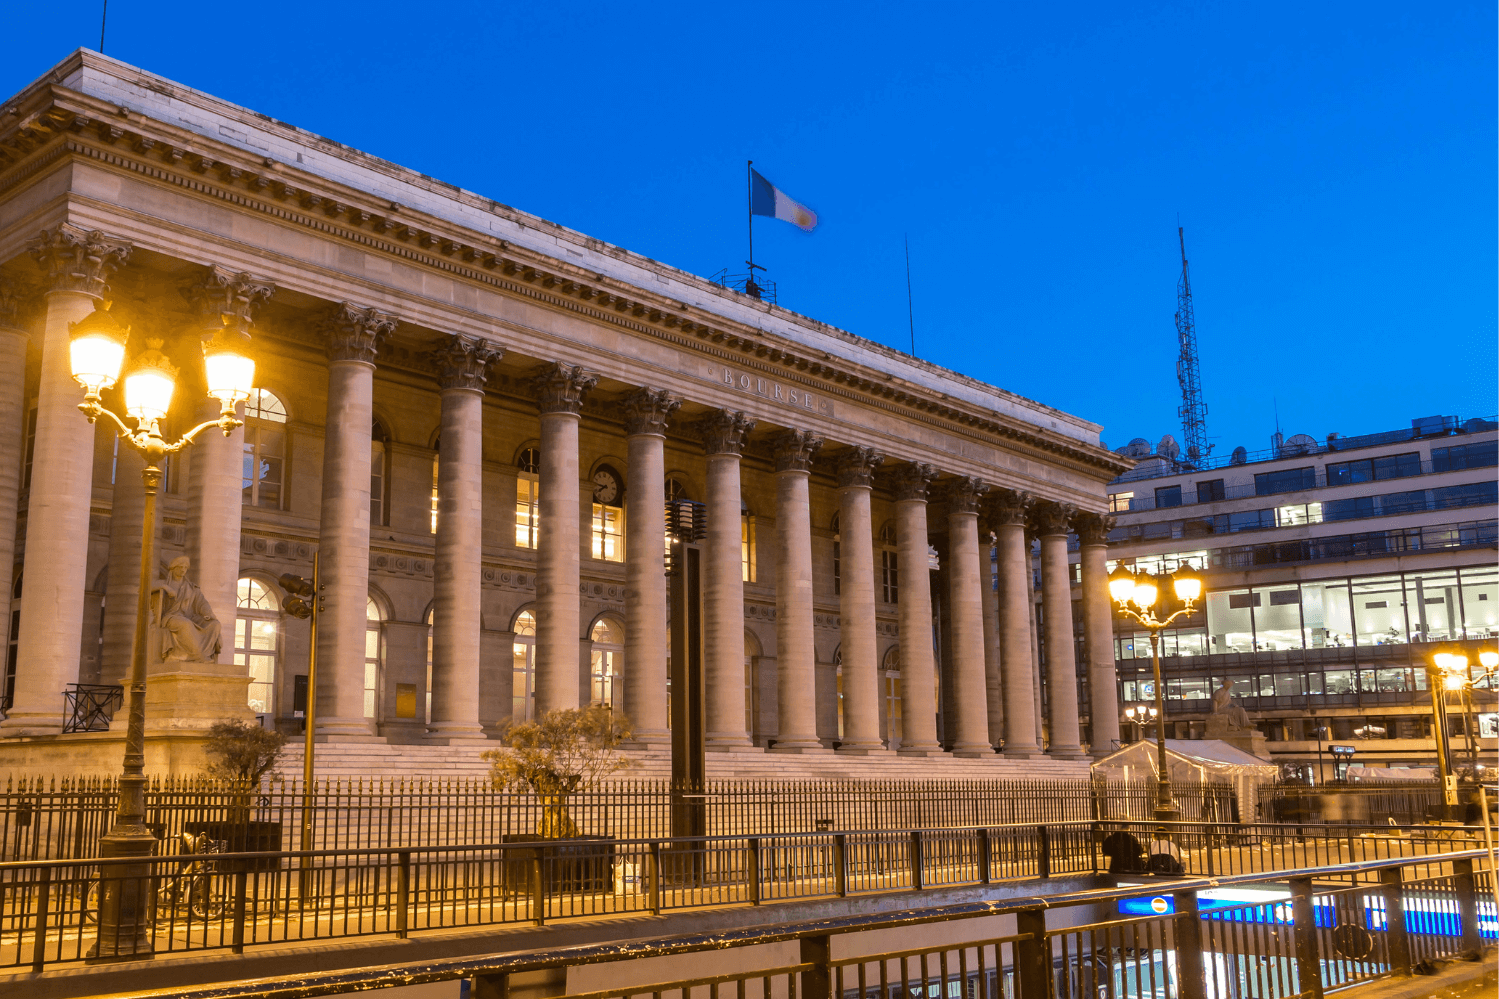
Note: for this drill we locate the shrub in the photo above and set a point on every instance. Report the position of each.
(242, 750)
(562, 752)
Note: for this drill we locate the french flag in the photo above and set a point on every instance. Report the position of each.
(767, 199)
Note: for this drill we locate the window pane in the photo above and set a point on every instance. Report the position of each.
(1480, 593)
(1168, 496)
(1229, 622)
(526, 511)
(1431, 601)
(1397, 466)
(1378, 610)
(1338, 681)
(371, 643)
(1285, 481)
(1277, 619)
(263, 635)
(1209, 490)
(1325, 609)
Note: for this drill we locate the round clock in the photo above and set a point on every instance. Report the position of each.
(606, 488)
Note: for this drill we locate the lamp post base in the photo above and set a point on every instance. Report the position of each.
(125, 897)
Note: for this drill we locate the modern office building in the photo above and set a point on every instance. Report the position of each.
(476, 419)
(1335, 568)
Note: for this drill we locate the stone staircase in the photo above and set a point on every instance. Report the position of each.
(382, 760)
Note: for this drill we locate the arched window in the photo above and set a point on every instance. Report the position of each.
(838, 672)
(890, 716)
(264, 477)
(527, 498)
(606, 660)
(436, 456)
(379, 457)
(889, 566)
(676, 490)
(8, 688)
(608, 515)
(255, 639)
(372, 654)
(751, 701)
(747, 541)
(427, 716)
(523, 682)
(837, 578)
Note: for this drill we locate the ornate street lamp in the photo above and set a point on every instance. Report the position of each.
(1142, 590)
(1451, 670)
(1139, 714)
(97, 349)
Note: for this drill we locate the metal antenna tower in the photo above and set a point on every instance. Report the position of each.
(1193, 411)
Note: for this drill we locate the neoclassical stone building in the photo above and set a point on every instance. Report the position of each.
(477, 419)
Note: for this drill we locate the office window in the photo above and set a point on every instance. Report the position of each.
(379, 440)
(1407, 502)
(1433, 605)
(1251, 520)
(523, 677)
(1285, 481)
(1230, 625)
(1443, 459)
(1168, 496)
(1397, 466)
(1298, 515)
(1120, 502)
(1209, 490)
(372, 654)
(265, 450)
(527, 499)
(1480, 601)
(1470, 494)
(1277, 619)
(605, 660)
(747, 542)
(1379, 610)
(1327, 614)
(889, 566)
(255, 641)
(1352, 508)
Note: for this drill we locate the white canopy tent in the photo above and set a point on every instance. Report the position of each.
(1194, 761)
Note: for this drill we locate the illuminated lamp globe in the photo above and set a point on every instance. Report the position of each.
(1453, 681)
(96, 348)
(1121, 585)
(1450, 662)
(1146, 591)
(149, 383)
(1489, 659)
(1186, 583)
(228, 368)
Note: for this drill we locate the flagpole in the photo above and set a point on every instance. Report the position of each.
(749, 211)
(910, 307)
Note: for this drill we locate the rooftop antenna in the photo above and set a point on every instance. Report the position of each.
(910, 308)
(1193, 411)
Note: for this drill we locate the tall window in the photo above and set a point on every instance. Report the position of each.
(747, 542)
(527, 499)
(8, 688)
(265, 450)
(30, 449)
(608, 515)
(523, 684)
(255, 642)
(607, 657)
(889, 566)
(890, 716)
(372, 619)
(436, 455)
(837, 589)
(378, 457)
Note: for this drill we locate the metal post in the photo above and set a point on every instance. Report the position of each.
(1308, 961)
(653, 878)
(1467, 906)
(310, 720)
(840, 865)
(917, 881)
(403, 894)
(1043, 852)
(986, 875)
(1396, 938)
(1032, 956)
(1444, 749)
(1191, 982)
(43, 901)
(240, 877)
(1165, 808)
(817, 982)
(538, 888)
(752, 869)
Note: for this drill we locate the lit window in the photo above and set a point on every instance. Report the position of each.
(527, 499)
(608, 533)
(890, 717)
(747, 542)
(889, 566)
(523, 682)
(378, 441)
(255, 642)
(437, 448)
(372, 620)
(607, 656)
(838, 589)
(1119, 502)
(265, 450)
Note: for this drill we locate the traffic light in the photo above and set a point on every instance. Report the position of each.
(300, 595)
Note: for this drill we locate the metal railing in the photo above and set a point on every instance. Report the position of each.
(89, 707)
(204, 902)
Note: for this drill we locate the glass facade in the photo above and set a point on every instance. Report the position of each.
(1286, 480)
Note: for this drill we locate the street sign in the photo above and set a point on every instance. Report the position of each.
(1342, 750)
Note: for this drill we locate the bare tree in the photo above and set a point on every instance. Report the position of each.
(562, 752)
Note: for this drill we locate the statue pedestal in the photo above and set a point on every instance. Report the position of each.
(1249, 740)
(186, 697)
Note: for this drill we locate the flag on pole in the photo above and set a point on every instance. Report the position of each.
(767, 199)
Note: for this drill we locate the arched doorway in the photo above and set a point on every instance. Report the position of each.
(606, 661)
(523, 679)
(256, 633)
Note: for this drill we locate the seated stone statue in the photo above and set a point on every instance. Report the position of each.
(1227, 718)
(183, 626)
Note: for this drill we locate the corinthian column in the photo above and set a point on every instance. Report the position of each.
(1008, 511)
(462, 369)
(861, 684)
(646, 413)
(224, 300)
(918, 674)
(994, 688)
(796, 675)
(78, 265)
(1052, 522)
(559, 389)
(1098, 630)
(353, 336)
(723, 592)
(971, 700)
(12, 440)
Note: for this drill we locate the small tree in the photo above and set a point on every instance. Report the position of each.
(242, 751)
(562, 752)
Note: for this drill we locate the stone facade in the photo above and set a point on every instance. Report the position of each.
(474, 415)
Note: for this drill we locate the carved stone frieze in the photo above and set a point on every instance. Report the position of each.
(724, 431)
(1093, 528)
(226, 299)
(354, 333)
(462, 362)
(964, 493)
(1049, 518)
(648, 409)
(13, 296)
(560, 387)
(856, 466)
(77, 259)
(795, 449)
(1007, 507)
(911, 481)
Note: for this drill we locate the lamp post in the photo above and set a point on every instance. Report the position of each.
(1142, 590)
(1139, 714)
(96, 352)
(1443, 672)
(1453, 671)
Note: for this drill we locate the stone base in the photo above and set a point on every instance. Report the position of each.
(864, 751)
(722, 748)
(188, 700)
(932, 752)
(815, 749)
(1252, 742)
(102, 754)
(1026, 754)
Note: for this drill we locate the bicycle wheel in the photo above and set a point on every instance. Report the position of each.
(204, 899)
(91, 903)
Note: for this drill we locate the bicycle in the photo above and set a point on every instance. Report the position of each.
(194, 886)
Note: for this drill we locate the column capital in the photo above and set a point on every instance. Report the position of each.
(910, 481)
(856, 466)
(1009, 507)
(354, 333)
(1093, 528)
(13, 294)
(78, 259)
(1050, 518)
(647, 410)
(463, 361)
(795, 449)
(560, 387)
(226, 299)
(964, 493)
(724, 431)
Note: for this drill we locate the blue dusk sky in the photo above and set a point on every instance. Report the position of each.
(1333, 165)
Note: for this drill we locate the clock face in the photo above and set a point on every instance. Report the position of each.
(605, 487)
